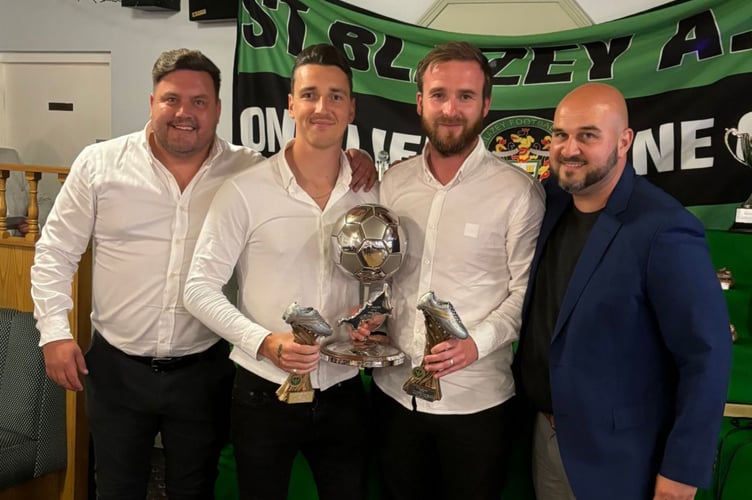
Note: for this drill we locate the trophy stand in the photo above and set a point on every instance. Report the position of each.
(307, 325)
(373, 352)
(368, 244)
(421, 383)
(442, 323)
(743, 219)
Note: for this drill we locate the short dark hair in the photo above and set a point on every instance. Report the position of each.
(173, 60)
(325, 55)
(455, 51)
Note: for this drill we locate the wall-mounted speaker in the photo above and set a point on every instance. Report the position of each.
(213, 10)
(173, 5)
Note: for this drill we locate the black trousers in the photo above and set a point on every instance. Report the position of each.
(267, 434)
(452, 457)
(128, 403)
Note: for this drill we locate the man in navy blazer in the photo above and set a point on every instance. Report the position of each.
(625, 349)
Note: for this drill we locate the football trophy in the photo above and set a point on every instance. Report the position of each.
(442, 323)
(307, 325)
(743, 220)
(367, 243)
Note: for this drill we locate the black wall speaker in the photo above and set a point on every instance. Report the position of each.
(152, 4)
(212, 10)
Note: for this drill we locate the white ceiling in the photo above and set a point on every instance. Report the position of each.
(506, 17)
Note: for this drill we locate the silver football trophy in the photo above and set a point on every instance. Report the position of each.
(743, 219)
(367, 243)
(442, 323)
(307, 325)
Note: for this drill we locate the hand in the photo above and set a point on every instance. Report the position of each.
(667, 489)
(64, 361)
(366, 327)
(363, 170)
(282, 350)
(451, 355)
(23, 227)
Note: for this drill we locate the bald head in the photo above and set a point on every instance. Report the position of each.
(598, 99)
(590, 141)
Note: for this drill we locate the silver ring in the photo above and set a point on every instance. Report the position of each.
(451, 361)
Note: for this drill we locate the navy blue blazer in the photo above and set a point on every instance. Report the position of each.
(641, 352)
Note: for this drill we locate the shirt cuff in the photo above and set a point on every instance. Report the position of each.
(52, 329)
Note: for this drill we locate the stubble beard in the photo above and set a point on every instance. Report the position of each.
(592, 176)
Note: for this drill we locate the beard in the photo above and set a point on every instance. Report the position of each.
(592, 176)
(448, 145)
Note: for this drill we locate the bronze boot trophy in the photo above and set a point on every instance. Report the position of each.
(442, 323)
(307, 325)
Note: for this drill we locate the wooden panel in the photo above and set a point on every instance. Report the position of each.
(15, 283)
(737, 410)
(16, 259)
(44, 487)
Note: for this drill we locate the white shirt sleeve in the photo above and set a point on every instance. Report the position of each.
(502, 325)
(223, 238)
(64, 239)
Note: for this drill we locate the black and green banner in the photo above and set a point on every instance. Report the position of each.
(686, 71)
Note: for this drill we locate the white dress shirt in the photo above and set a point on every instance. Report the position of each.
(143, 229)
(471, 242)
(266, 224)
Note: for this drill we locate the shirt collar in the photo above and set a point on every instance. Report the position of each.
(288, 178)
(471, 163)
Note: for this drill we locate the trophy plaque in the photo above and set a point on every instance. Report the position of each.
(307, 325)
(442, 323)
(367, 243)
(743, 219)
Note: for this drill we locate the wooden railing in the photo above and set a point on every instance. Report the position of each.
(33, 174)
(16, 259)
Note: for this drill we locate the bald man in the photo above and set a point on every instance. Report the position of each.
(625, 351)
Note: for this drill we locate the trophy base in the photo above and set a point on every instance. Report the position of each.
(300, 397)
(743, 220)
(369, 354)
(741, 228)
(296, 389)
(421, 384)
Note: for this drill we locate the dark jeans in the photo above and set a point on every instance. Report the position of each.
(267, 434)
(128, 403)
(452, 457)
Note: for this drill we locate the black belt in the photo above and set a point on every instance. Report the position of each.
(166, 364)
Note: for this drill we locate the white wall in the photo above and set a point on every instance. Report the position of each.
(133, 37)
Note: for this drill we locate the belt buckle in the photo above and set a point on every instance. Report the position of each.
(158, 363)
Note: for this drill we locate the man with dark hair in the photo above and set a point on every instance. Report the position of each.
(274, 223)
(625, 349)
(472, 221)
(152, 367)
